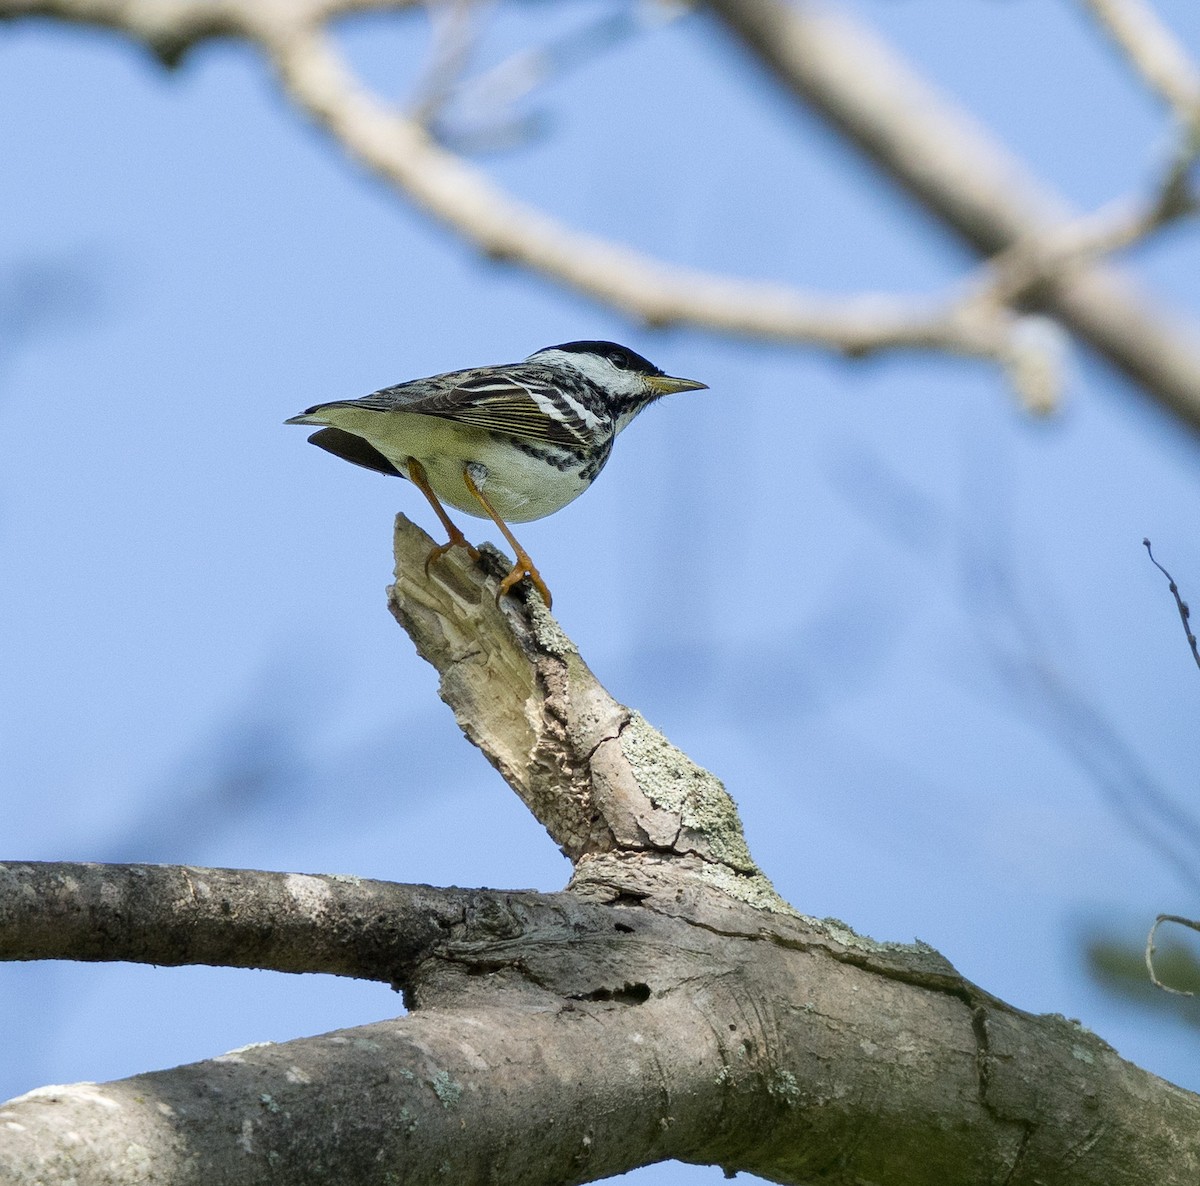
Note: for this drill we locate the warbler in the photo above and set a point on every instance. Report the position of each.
(509, 443)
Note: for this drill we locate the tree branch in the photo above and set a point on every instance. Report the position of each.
(667, 1005)
(172, 915)
(973, 185)
(606, 785)
(401, 151)
(846, 74)
(585, 1045)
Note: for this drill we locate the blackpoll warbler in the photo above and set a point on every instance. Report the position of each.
(508, 443)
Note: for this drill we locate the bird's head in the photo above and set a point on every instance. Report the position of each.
(629, 381)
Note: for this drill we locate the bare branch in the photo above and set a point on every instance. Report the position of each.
(1153, 51)
(573, 1051)
(1165, 66)
(455, 33)
(487, 100)
(1011, 275)
(951, 165)
(1185, 613)
(606, 785)
(649, 290)
(925, 143)
(518, 1092)
(239, 918)
(659, 294)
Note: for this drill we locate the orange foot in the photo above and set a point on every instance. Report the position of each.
(418, 477)
(522, 569)
(457, 540)
(524, 566)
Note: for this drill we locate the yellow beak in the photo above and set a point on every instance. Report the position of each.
(668, 384)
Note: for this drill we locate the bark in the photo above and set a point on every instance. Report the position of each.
(666, 1005)
(572, 1041)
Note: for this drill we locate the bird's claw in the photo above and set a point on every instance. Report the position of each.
(519, 573)
(457, 540)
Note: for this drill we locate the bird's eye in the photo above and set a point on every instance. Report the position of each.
(619, 359)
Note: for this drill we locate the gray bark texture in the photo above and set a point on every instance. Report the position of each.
(667, 1004)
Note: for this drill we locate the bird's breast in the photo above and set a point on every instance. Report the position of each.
(521, 484)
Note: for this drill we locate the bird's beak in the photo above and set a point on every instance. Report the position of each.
(668, 384)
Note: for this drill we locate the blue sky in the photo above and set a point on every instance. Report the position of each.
(844, 587)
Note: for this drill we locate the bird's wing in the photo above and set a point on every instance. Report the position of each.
(504, 400)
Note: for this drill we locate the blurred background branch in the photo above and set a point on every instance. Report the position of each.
(1047, 257)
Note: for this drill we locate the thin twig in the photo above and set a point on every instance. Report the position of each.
(1185, 612)
(455, 25)
(1012, 274)
(485, 105)
(1150, 949)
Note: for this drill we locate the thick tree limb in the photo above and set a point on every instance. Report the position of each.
(573, 1051)
(667, 1005)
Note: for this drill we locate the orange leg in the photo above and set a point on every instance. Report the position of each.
(418, 477)
(524, 566)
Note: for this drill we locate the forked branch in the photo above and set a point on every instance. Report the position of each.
(666, 1006)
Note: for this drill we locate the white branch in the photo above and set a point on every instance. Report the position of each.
(1153, 51)
(1165, 66)
(450, 189)
(647, 289)
(841, 69)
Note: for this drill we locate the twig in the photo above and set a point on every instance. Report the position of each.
(1150, 949)
(455, 26)
(1185, 613)
(487, 100)
(1163, 63)
(1013, 274)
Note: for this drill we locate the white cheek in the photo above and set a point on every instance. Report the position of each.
(599, 370)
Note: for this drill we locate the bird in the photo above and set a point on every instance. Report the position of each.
(511, 443)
